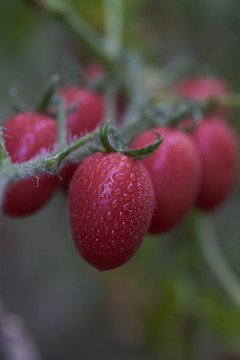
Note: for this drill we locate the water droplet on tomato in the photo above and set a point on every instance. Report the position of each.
(114, 204)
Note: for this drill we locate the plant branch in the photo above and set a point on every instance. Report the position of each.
(113, 26)
(173, 110)
(62, 130)
(64, 12)
(49, 163)
(46, 97)
(231, 100)
(215, 259)
(4, 157)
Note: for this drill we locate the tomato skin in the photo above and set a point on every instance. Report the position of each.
(175, 171)
(89, 112)
(94, 72)
(218, 149)
(111, 202)
(66, 173)
(201, 87)
(28, 196)
(27, 135)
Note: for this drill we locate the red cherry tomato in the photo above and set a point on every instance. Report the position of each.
(201, 87)
(111, 202)
(175, 171)
(27, 135)
(218, 149)
(87, 115)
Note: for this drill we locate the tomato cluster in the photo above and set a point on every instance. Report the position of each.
(29, 134)
(115, 199)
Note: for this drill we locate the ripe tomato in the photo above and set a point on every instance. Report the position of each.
(87, 115)
(175, 171)
(96, 72)
(111, 202)
(218, 149)
(27, 135)
(201, 87)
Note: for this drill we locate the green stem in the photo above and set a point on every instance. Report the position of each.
(4, 157)
(47, 95)
(141, 120)
(64, 12)
(48, 164)
(62, 130)
(231, 100)
(215, 259)
(81, 28)
(114, 26)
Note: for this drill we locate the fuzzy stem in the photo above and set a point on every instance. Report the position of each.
(4, 157)
(49, 163)
(140, 121)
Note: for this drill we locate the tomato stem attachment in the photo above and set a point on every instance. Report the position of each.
(139, 153)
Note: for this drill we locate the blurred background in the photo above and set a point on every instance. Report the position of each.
(165, 303)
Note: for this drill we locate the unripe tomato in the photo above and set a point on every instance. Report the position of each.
(218, 149)
(175, 171)
(111, 202)
(27, 135)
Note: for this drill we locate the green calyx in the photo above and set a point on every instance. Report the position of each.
(41, 103)
(106, 132)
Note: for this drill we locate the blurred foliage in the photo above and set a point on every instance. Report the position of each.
(165, 303)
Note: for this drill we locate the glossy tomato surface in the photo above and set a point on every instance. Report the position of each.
(27, 135)
(175, 171)
(87, 114)
(111, 202)
(218, 149)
